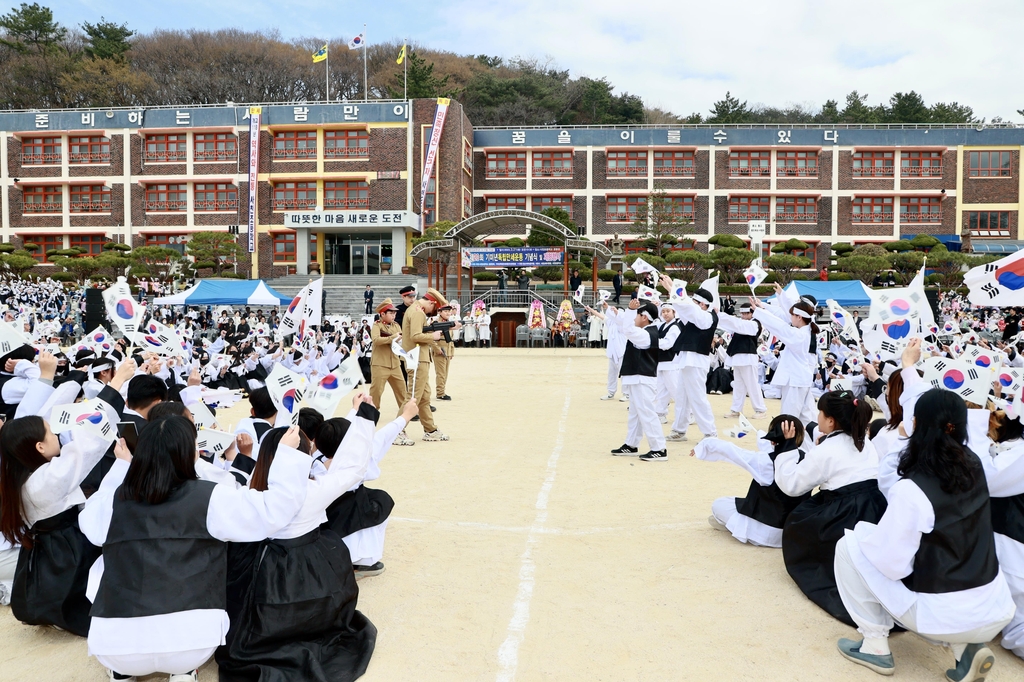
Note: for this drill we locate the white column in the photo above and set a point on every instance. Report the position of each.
(397, 250)
(5, 183)
(711, 190)
(126, 181)
(773, 183)
(834, 193)
(65, 176)
(590, 189)
(650, 170)
(302, 250)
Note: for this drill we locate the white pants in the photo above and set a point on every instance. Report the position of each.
(1013, 634)
(875, 622)
(643, 421)
(366, 546)
(796, 401)
(8, 562)
(691, 396)
(744, 383)
(614, 365)
(173, 663)
(668, 386)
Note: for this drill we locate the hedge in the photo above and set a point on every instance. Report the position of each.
(485, 276)
(606, 275)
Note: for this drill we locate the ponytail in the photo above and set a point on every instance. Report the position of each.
(19, 458)
(852, 416)
(807, 311)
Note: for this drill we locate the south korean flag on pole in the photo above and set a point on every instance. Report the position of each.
(286, 390)
(325, 395)
(968, 381)
(121, 309)
(10, 338)
(640, 266)
(754, 274)
(648, 294)
(305, 311)
(997, 284)
(87, 415)
(578, 295)
(213, 442)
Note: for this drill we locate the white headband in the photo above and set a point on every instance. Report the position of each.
(800, 313)
(699, 297)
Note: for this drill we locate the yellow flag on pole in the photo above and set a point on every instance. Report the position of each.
(320, 54)
(401, 56)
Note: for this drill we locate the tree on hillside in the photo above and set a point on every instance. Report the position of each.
(422, 81)
(729, 110)
(107, 40)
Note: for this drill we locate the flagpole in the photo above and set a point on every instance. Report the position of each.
(405, 65)
(366, 95)
(327, 74)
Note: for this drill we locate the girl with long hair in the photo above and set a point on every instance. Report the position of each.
(930, 563)
(160, 604)
(757, 518)
(844, 468)
(297, 616)
(794, 375)
(40, 498)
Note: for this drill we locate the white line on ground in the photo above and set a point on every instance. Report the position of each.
(508, 652)
(492, 527)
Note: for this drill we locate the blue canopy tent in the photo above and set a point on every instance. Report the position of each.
(847, 294)
(226, 292)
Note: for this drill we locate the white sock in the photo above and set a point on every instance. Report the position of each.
(876, 646)
(958, 651)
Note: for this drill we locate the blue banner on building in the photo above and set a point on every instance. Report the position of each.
(511, 257)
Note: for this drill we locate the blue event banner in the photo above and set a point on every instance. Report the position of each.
(505, 257)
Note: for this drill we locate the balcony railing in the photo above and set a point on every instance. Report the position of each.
(515, 172)
(874, 172)
(294, 204)
(626, 171)
(915, 217)
(872, 217)
(749, 171)
(921, 171)
(674, 171)
(295, 153)
(786, 172)
(216, 154)
(176, 205)
(225, 205)
(620, 217)
(40, 159)
(744, 216)
(89, 157)
(346, 152)
(346, 203)
(796, 217)
(150, 156)
(102, 206)
(552, 172)
(43, 207)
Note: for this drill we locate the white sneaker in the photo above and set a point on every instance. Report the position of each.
(732, 414)
(610, 396)
(675, 436)
(5, 595)
(434, 435)
(623, 398)
(120, 679)
(187, 677)
(663, 418)
(716, 524)
(760, 415)
(403, 439)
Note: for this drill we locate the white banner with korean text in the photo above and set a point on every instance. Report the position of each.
(255, 114)
(348, 219)
(428, 161)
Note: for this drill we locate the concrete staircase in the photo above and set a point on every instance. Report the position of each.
(344, 293)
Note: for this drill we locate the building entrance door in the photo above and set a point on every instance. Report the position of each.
(358, 254)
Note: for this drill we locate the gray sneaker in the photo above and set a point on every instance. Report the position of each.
(675, 437)
(883, 665)
(5, 595)
(434, 435)
(975, 663)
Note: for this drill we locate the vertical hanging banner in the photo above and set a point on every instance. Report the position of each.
(255, 113)
(428, 161)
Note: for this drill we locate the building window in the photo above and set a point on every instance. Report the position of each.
(541, 203)
(742, 209)
(623, 209)
(796, 164)
(168, 241)
(872, 210)
(467, 157)
(920, 209)
(467, 203)
(216, 147)
(506, 164)
(165, 148)
(346, 144)
(921, 164)
(161, 197)
(40, 151)
(680, 208)
(552, 164)
(625, 164)
(43, 199)
(989, 223)
(89, 244)
(989, 164)
(90, 199)
(89, 150)
(503, 203)
(872, 164)
(295, 144)
(216, 196)
(347, 194)
(744, 164)
(796, 210)
(673, 164)
(291, 196)
(45, 242)
(284, 247)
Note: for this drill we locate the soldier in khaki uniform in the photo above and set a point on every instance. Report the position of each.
(413, 335)
(443, 353)
(385, 367)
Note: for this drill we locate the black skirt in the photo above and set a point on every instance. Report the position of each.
(359, 509)
(810, 535)
(299, 619)
(719, 380)
(51, 577)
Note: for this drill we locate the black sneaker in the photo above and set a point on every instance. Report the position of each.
(655, 456)
(415, 418)
(625, 451)
(433, 409)
(367, 571)
(445, 397)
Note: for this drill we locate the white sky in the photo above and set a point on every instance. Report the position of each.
(680, 55)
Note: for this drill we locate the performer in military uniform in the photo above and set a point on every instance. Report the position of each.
(385, 367)
(443, 353)
(413, 335)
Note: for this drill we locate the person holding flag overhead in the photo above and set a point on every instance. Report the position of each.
(742, 357)
(639, 372)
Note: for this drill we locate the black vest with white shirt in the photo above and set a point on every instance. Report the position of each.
(667, 355)
(744, 344)
(697, 340)
(641, 361)
(149, 551)
(960, 552)
(1008, 517)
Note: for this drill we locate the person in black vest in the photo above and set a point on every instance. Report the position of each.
(930, 562)
(759, 517)
(699, 322)
(639, 372)
(742, 353)
(160, 604)
(669, 368)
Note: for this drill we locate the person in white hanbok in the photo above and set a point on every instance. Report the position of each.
(794, 375)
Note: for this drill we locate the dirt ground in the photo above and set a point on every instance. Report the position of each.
(521, 549)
